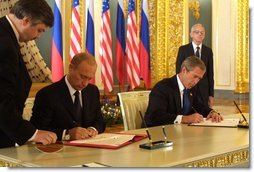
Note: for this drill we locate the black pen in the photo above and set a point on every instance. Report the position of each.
(240, 112)
(149, 136)
(194, 109)
(147, 132)
(75, 123)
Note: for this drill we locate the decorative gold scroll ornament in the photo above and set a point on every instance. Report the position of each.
(194, 6)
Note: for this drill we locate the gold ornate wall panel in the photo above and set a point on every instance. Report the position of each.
(166, 19)
(242, 59)
(175, 32)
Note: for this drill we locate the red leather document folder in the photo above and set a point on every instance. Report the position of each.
(108, 140)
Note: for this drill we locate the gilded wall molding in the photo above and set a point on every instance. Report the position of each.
(166, 35)
(225, 160)
(6, 163)
(242, 54)
(194, 6)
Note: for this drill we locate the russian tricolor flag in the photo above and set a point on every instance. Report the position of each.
(144, 47)
(120, 44)
(57, 45)
(90, 29)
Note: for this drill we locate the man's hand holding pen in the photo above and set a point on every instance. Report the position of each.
(197, 118)
(193, 118)
(78, 133)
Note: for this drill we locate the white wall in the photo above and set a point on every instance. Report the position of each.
(223, 43)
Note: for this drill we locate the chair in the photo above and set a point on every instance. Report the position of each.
(131, 103)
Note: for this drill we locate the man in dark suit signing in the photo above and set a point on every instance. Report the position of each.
(55, 105)
(174, 100)
(196, 47)
(26, 21)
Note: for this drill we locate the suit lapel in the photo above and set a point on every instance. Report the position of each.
(66, 98)
(85, 106)
(191, 97)
(190, 49)
(177, 96)
(204, 55)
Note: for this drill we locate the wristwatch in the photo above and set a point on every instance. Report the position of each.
(67, 135)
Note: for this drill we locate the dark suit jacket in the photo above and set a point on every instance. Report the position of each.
(15, 84)
(206, 84)
(54, 109)
(165, 103)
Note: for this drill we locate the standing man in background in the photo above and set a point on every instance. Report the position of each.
(26, 21)
(205, 88)
(71, 107)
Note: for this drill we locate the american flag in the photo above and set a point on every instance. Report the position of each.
(133, 66)
(105, 48)
(75, 44)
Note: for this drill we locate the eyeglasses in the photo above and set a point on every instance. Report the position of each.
(199, 32)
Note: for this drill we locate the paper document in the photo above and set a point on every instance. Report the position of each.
(230, 122)
(109, 139)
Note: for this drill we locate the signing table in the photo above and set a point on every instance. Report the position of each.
(193, 147)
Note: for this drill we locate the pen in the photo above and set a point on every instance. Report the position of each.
(194, 109)
(149, 136)
(147, 132)
(164, 133)
(240, 112)
(75, 123)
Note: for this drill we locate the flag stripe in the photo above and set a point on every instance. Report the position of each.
(133, 64)
(90, 32)
(144, 54)
(90, 29)
(57, 45)
(75, 44)
(105, 48)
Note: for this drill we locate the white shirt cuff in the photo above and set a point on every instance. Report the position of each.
(93, 128)
(63, 135)
(33, 135)
(178, 119)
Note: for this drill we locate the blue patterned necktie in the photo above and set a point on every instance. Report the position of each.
(186, 102)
